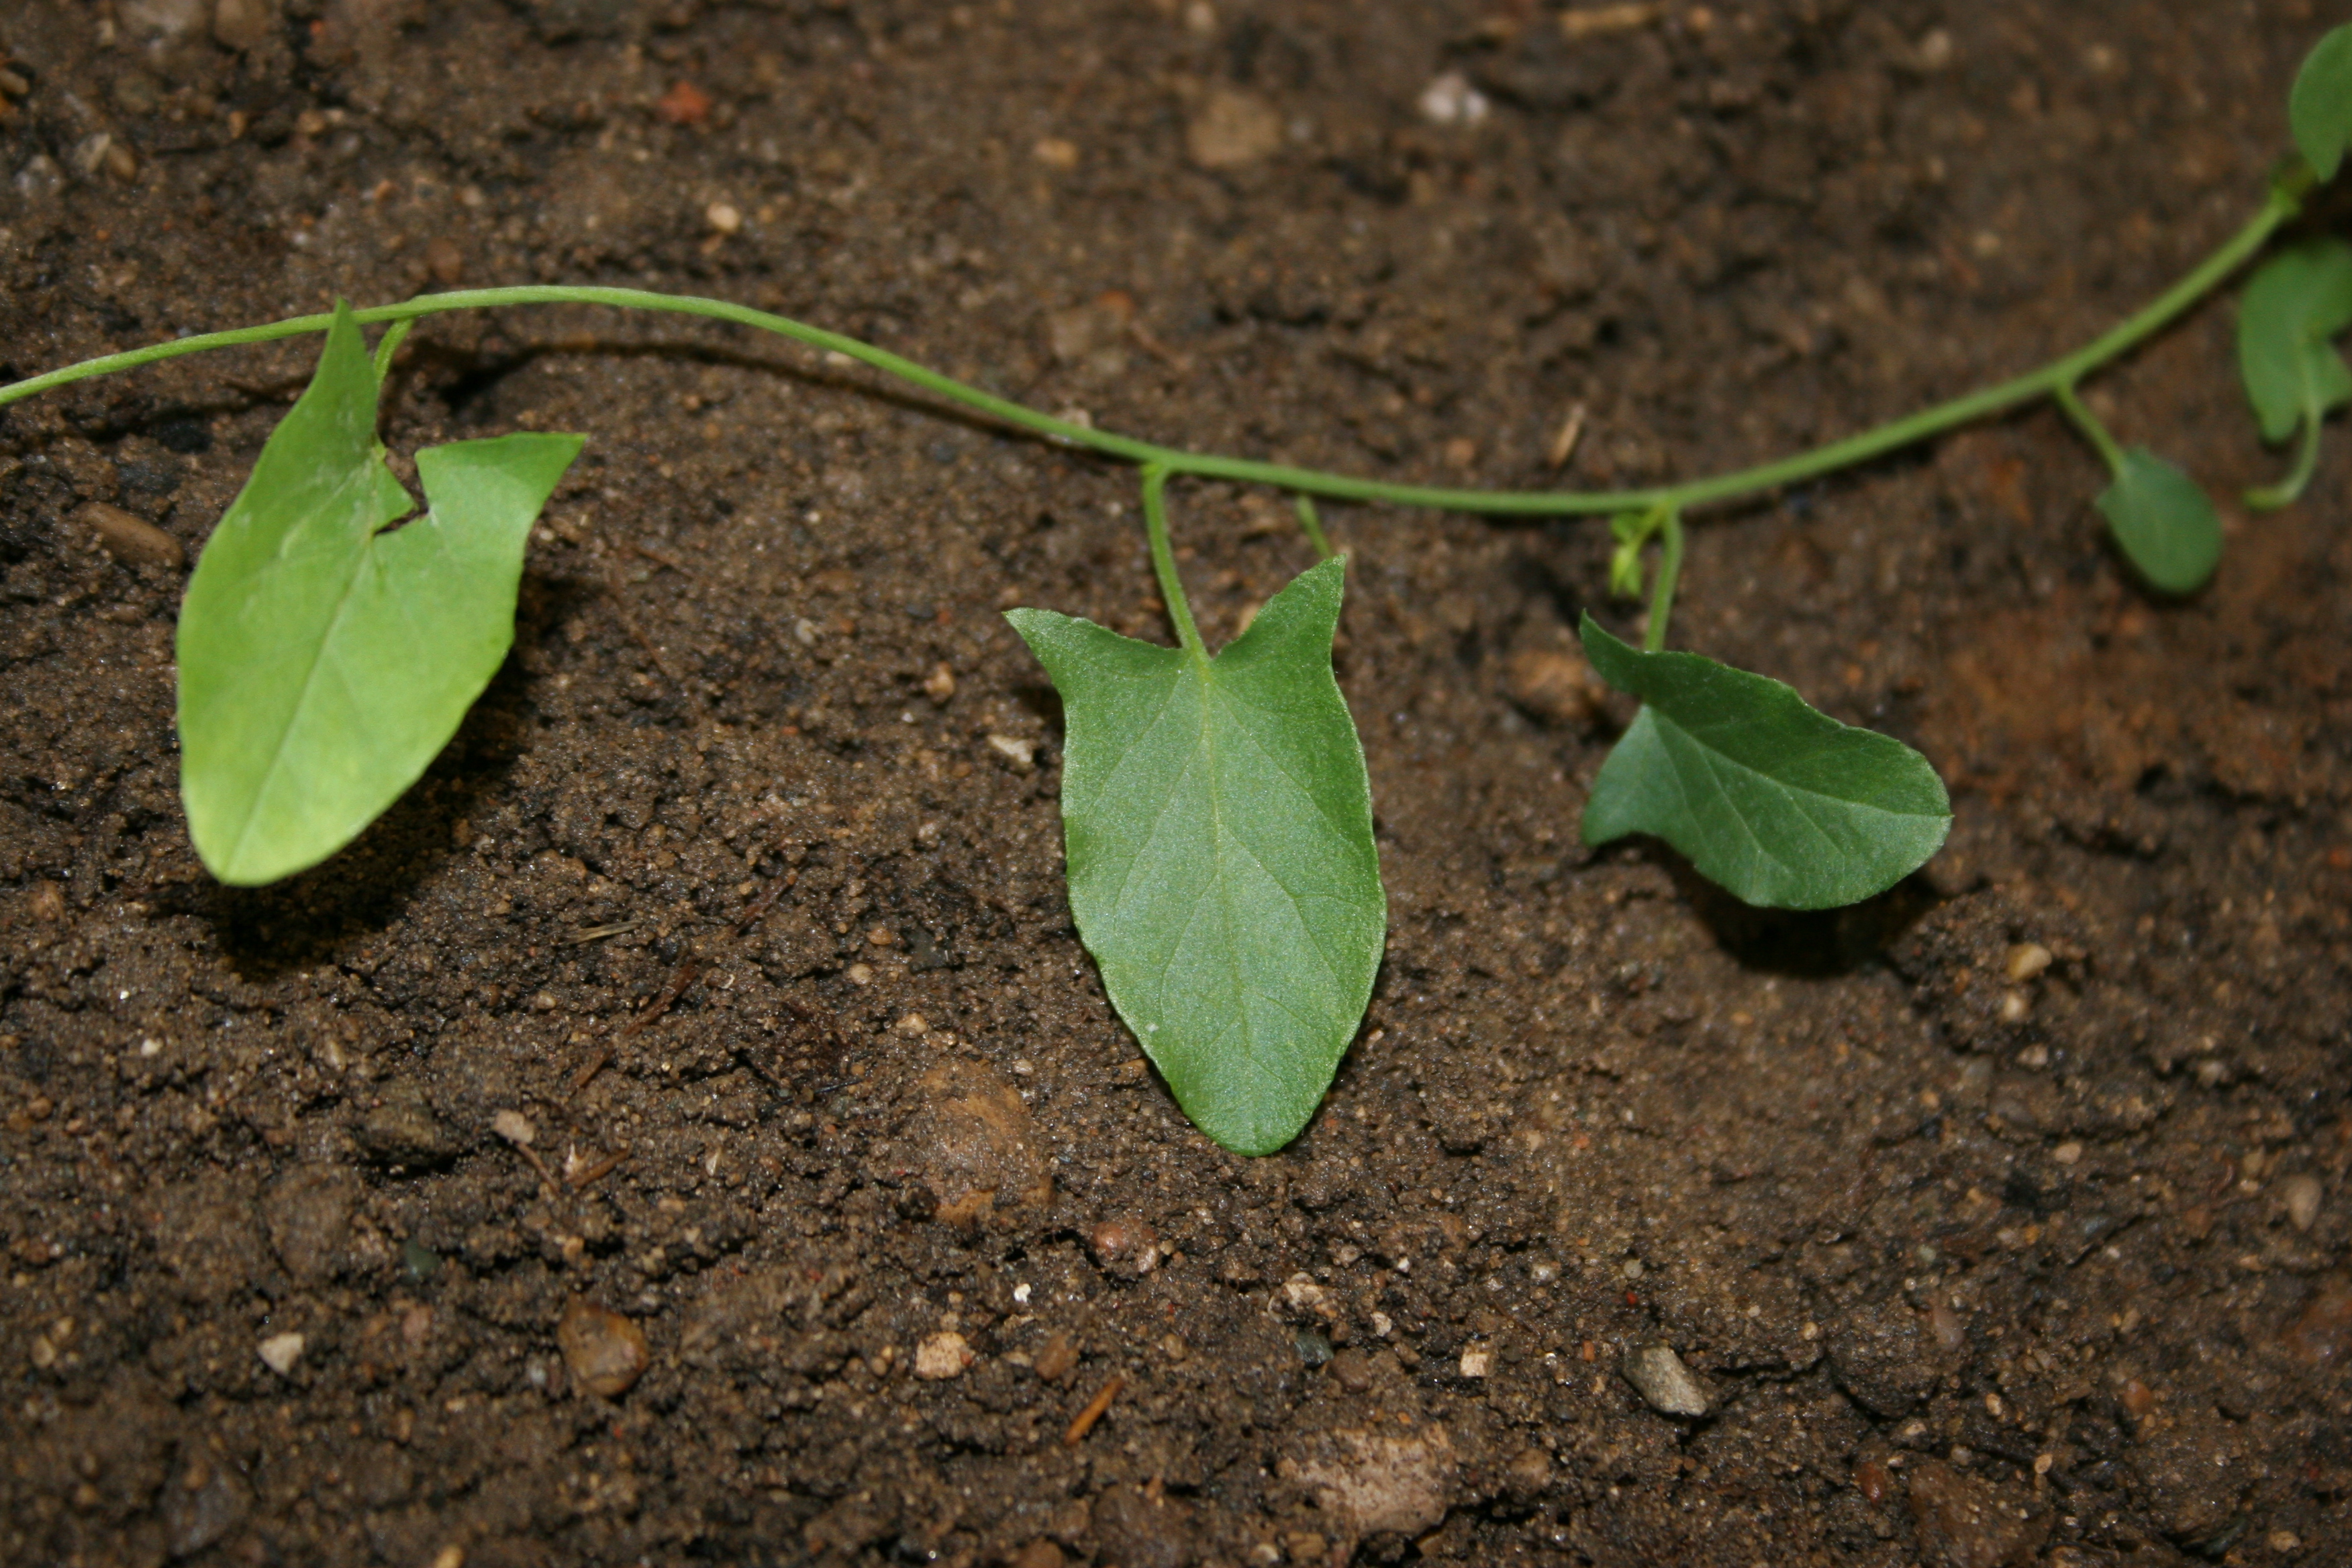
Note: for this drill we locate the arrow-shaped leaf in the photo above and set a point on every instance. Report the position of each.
(1220, 858)
(1776, 801)
(323, 661)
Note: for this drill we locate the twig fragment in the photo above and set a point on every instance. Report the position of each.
(1572, 431)
(588, 1175)
(588, 1072)
(1094, 1411)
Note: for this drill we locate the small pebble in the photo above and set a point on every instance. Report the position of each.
(512, 1126)
(1021, 754)
(1477, 1362)
(685, 104)
(131, 540)
(1124, 1247)
(1530, 1471)
(1352, 1370)
(1055, 1362)
(243, 25)
(1450, 99)
(444, 261)
(723, 217)
(2025, 961)
(1174, 1348)
(1232, 128)
(280, 1352)
(939, 684)
(1946, 1325)
(2301, 1194)
(1056, 152)
(1555, 684)
(2067, 1153)
(942, 1356)
(1662, 1378)
(605, 1350)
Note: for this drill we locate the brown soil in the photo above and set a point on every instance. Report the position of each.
(724, 881)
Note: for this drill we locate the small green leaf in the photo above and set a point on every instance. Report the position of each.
(2319, 106)
(1779, 803)
(2164, 525)
(324, 661)
(1221, 860)
(2300, 300)
(1632, 531)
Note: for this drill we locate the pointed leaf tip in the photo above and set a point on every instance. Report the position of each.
(325, 661)
(1773, 800)
(1221, 866)
(2319, 105)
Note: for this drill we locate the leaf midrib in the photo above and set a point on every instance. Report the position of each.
(358, 564)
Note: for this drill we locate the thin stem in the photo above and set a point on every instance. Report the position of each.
(2093, 431)
(1670, 568)
(2284, 201)
(2270, 498)
(1164, 561)
(1309, 519)
(389, 345)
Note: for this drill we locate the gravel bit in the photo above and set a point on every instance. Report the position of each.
(1659, 1373)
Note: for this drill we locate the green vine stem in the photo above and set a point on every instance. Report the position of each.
(2284, 201)
(2087, 423)
(1164, 561)
(1312, 521)
(2270, 498)
(1669, 528)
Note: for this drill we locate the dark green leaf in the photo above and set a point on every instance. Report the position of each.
(324, 661)
(1776, 802)
(2300, 300)
(1220, 858)
(2164, 524)
(2319, 107)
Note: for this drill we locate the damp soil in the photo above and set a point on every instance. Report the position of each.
(685, 1127)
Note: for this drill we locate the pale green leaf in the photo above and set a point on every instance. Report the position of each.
(2164, 525)
(2319, 106)
(1222, 867)
(1778, 803)
(323, 661)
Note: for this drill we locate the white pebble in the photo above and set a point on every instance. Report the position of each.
(1665, 1381)
(2301, 1194)
(280, 1352)
(1450, 99)
(942, 1356)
